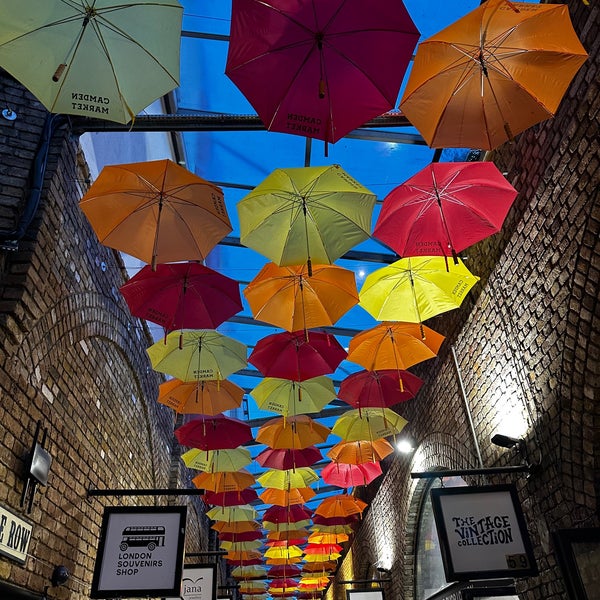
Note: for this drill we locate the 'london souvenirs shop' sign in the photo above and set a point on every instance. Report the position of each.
(482, 533)
(140, 552)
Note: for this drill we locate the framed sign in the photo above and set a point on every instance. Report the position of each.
(198, 582)
(578, 553)
(482, 533)
(140, 552)
(364, 595)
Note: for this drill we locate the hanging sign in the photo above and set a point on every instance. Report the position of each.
(140, 552)
(482, 533)
(15, 535)
(198, 582)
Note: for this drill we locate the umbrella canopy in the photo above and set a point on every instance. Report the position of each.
(214, 433)
(328, 566)
(320, 69)
(213, 461)
(445, 208)
(492, 74)
(286, 514)
(288, 478)
(156, 211)
(287, 497)
(394, 346)
(297, 355)
(284, 571)
(368, 424)
(243, 536)
(290, 298)
(289, 458)
(241, 546)
(196, 354)
(248, 572)
(242, 526)
(288, 534)
(383, 388)
(224, 482)
(282, 552)
(360, 451)
(289, 542)
(284, 526)
(243, 555)
(346, 475)
(415, 289)
(336, 520)
(327, 538)
(283, 582)
(105, 59)
(290, 398)
(322, 548)
(231, 514)
(340, 505)
(306, 215)
(344, 528)
(182, 296)
(292, 432)
(201, 397)
(232, 498)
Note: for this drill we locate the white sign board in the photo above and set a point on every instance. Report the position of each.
(198, 582)
(15, 535)
(140, 552)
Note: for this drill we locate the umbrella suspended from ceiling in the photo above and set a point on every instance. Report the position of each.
(203, 397)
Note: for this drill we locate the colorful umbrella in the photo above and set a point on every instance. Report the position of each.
(233, 498)
(291, 398)
(213, 461)
(368, 424)
(340, 505)
(287, 534)
(320, 70)
(306, 215)
(290, 298)
(360, 451)
(243, 536)
(279, 552)
(196, 354)
(296, 355)
(383, 388)
(289, 458)
(248, 572)
(445, 208)
(224, 482)
(322, 548)
(202, 397)
(288, 478)
(350, 519)
(346, 475)
(328, 566)
(182, 296)
(287, 514)
(322, 557)
(244, 525)
(283, 582)
(284, 571)
(241, 546)
(492, 74)
(214, 433)
(416, 289)
(283, 561)
(156, 211)
(243, 555)
(344, 528)
(394, 346)
(289, 542)
(287, 497)
(327, 538)
(245, 562)
(292, 432)
(107, 60)
(284, 526)
(231, 514)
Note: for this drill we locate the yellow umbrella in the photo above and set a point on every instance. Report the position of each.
(239, 546)
(286, 479)
(327, 538)
(217, 461)
(230, 514)
(368, 424)
(248, 571)
(322, 557)
(283, 552)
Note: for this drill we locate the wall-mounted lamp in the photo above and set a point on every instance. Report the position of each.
(37, 466)
(405, 445)
(505, 441)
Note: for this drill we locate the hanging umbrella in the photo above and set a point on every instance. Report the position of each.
(243, 555)
(287, 497)
(322, 557)
(445, 208)
(156, 211)
(213, 461)
(245, 562)
(233, 498)
(284, 526)
(346, 528)
(182, 296)
(322, 548)
(288, 478)
(286, 514)
(241, 546)
(214, 433)
(340, 505)
(243, 536)
(344, 475)
(105, 59)
(232, 513)
(196, 354)
(202, 397)
(284, 571)
(360, 451)
(283, 543)
(368, 424)
(224, 482)
(290, 298)
(251, 571)
(492, 74)
(350, 519)
(283, 561)
(394, 346)
(416, 289)
(319, 70)
(327, 538)
(296, 355)
(289, 552)
(328, 566)
(291, 398)
(242, 526)
(292, 432)
(306, 215)
(383, 388)
(288, 534)
(289, 458)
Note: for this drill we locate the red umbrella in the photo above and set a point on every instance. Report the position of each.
(283, 583)
(288, 534)
(445, 208)
(242, 536)
(320, 69)
(292, 356)
(383, 388)
(287, 514)
(323, 549)
(245, 562)
(234, 498)
(214, 433)
(338, 520)
(285, 543)
(284, 571)
(289, 458)
(182, 296)
(345, 475)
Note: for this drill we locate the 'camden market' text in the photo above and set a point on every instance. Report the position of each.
(486, 531)
(90, 103)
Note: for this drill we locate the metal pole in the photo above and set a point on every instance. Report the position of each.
(466, 403)
(149, 492)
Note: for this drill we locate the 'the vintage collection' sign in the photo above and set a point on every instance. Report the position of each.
(482, 533)
(15, 535)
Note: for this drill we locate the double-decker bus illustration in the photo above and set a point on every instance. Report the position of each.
(143, 535)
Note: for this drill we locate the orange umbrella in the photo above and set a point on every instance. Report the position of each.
(224, 482)
(327, 566)
(287, 497)
(289, 534)
(205, 397)
(394, 345)
(327, 538)
(243, 555)
(291, 299)
(341, 505)
(495, 72)
(360, 451)
(292, 432)
(236, 526)
(156, 211)
(283, 561)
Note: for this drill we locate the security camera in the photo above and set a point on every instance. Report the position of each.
(60, 575)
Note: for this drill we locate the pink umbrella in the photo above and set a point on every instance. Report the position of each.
(214, 433)
(319, 69)
(345, 476)
(284, 571)
(233, 498)
(289, 458)
(287, 514)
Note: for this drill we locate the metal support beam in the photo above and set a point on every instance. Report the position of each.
(460, 472)
(353, 581)
(146, 492)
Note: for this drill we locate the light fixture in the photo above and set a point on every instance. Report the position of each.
(505, 441)
(405, 445)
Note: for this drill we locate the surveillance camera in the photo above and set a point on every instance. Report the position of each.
(60, 575)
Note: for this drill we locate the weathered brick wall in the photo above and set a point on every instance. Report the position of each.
(527, 345)
(72, 357)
